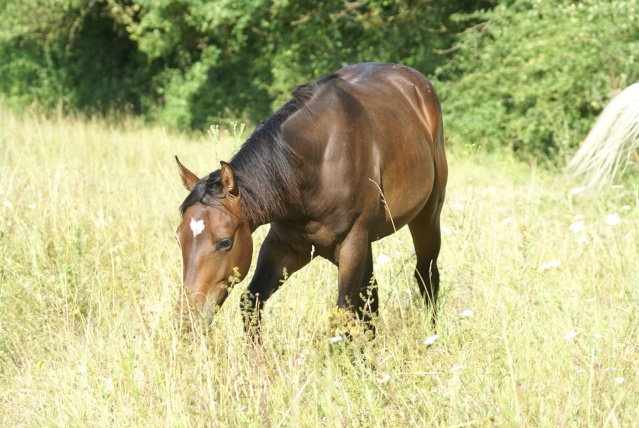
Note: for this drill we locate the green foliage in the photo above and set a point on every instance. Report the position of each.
(534, 74)
(71, 52)
(193, 62)
(230, 58)
(526, 74)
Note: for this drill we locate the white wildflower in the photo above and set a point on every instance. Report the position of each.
(577, 227)
(507, 220)
(430, 340)
(619, 380)
(385, 378)
(82, 369)
(335, 339)
(302, 358)
(625, 207)
(446, 230)
(7, 204)
(582, 240)
(466, 313)
(597, 336)
(576, 190)
(382, 259)
(456, 368)
(617, 186)
(108, 384)
(31, 206)
(550, 265)
(571, 335)
(578, 217)
(458, 207)
(613, 219)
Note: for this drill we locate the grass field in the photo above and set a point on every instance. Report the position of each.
(538, 322)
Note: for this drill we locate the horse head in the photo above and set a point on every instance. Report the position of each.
(214, 238)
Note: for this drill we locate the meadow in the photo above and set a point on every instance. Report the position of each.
(538, 319)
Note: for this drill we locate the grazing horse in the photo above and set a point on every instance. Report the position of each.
(350, 159)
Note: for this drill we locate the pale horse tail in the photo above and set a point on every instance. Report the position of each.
(607, 150)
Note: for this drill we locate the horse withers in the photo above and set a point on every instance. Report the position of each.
(350, 159)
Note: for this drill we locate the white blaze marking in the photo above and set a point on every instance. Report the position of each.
(197, 227)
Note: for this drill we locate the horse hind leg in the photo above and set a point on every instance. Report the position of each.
(425, 230)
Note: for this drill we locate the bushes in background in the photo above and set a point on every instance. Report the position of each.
(529, 75)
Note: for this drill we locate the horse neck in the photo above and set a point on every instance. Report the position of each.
(269, 189)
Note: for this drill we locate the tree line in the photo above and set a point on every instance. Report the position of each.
(527, 74)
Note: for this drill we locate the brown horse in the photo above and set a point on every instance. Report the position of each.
(348, 160)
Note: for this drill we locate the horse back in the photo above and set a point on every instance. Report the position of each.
(371, 132)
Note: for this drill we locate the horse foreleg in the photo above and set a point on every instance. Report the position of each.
(276, 262)
(357, 288)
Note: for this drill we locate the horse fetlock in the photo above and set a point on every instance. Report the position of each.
(344, 323)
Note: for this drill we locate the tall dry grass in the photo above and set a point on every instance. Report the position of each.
(538, 320)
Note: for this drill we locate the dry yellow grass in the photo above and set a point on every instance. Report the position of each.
(89, 274)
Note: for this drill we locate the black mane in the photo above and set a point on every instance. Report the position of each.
(264, 167)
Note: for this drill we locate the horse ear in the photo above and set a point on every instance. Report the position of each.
(188, 178)
(228, 179)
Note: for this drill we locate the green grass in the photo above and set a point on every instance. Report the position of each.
(90, 272)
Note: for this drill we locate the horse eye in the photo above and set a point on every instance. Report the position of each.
(224, 244)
